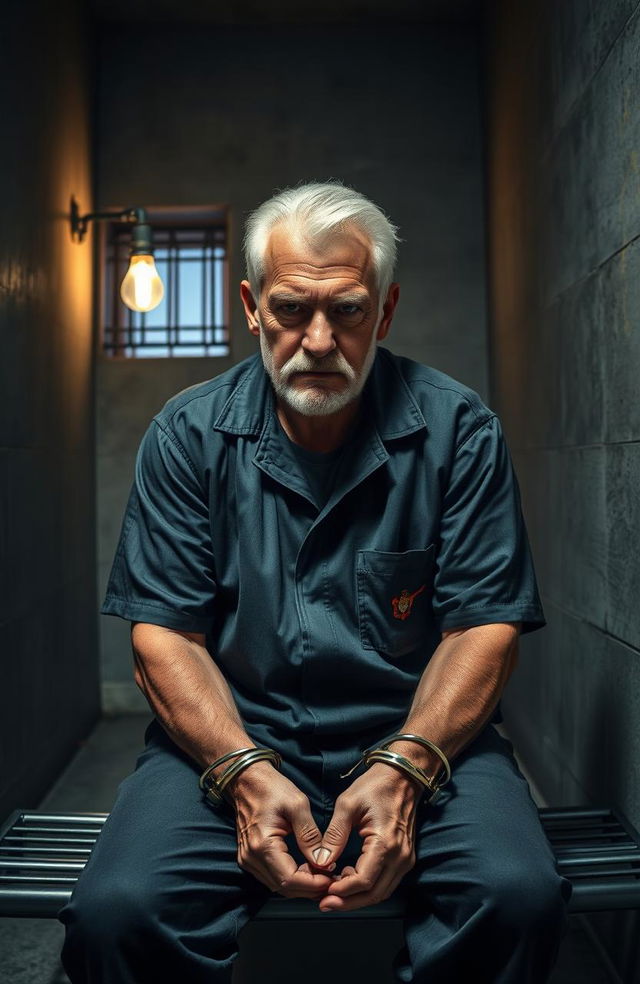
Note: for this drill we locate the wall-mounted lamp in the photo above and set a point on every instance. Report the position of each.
(141, 288)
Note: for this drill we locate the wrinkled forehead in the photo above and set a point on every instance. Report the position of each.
(343, 254)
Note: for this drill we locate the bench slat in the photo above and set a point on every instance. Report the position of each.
(70, 818)
(43, 865)
(40, 879)
(12, 850)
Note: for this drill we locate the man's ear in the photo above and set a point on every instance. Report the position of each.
(388, 308)
(250, 307)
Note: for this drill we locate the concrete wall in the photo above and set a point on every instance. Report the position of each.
(49, 691)
(564, 183)
(226, 116)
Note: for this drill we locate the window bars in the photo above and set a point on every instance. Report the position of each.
(191, 319)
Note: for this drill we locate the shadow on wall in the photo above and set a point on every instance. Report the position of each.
(47, 621)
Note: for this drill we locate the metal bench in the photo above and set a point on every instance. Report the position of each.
(42, 855)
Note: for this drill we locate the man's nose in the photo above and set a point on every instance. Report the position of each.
(318, 338)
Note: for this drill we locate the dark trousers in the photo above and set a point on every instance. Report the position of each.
(163, 897)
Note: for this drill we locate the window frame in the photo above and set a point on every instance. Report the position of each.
(174, 217)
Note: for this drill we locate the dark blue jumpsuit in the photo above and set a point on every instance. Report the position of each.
(224, 534)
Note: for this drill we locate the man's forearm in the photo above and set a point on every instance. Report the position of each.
(458, 691)
(188, 693)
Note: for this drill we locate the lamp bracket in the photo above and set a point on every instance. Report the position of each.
(80, 223)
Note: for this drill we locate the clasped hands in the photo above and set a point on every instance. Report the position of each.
(380, 804)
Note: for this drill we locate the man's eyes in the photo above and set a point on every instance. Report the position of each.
(342, 310)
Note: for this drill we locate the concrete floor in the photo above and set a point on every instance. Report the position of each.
(29, 948)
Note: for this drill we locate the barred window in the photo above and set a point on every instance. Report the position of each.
(190, 248)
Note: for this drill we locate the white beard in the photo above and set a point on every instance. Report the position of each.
(316, 401)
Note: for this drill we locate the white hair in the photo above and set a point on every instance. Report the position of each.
(317, 209)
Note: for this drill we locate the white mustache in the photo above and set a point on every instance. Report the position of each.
(301, 362)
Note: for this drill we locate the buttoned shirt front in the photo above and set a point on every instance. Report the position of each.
(323, 617)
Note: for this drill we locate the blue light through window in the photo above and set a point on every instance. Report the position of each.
(191, 257)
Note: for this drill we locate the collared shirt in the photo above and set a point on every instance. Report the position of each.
(323, 616)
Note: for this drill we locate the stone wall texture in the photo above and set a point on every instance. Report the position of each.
(564, 274)
(49, 695)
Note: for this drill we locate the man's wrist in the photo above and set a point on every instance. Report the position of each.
(252, 779)
(418, 755)
(234, 764)
(397, 778)
(219, 769)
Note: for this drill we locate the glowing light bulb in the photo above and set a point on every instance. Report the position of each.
(142, 288)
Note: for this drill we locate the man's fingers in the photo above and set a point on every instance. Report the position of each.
(347, 870)
(313, 871)
(287, 878)
(366, 874)
(337, 833)
(306, 831)
(306, 884)
(273, 865)
(335, 903)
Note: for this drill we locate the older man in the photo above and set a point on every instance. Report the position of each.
(323, 549)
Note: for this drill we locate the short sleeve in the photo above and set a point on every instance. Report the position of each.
(484, 567)
(163, 570)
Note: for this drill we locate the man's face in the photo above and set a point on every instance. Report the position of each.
(317, 319)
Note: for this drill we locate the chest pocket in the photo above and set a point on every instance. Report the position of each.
(394, 598)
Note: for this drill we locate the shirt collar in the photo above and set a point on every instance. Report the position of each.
(396, 412)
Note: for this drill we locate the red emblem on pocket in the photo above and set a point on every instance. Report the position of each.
(402, 606)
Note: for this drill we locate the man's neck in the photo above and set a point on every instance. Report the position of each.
(319, 434)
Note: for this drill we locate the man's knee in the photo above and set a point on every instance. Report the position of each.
(105, 913)
(526, 898)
